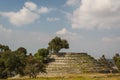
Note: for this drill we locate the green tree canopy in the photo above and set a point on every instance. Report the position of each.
(56, 44)
(11, 63)
(42, 54)
(17, 62)
(22, 50)
(4, 48)
(33, 66)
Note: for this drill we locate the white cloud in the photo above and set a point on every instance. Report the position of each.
(44, 10)
(106, 39)
(72, 2)
(71, 36)
(97, 14)
(53, 19)
(28, 14)
(30, 5)
(111, 39)
(64, 31)
(2, 29)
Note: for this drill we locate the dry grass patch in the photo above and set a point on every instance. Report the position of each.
(78, 77)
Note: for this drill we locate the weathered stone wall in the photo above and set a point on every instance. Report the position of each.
(73, 63)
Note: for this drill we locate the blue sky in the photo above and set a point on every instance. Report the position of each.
(90, 26)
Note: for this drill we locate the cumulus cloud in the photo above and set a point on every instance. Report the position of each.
(28, 14)
(71, 36)
(44, 10)
(72, 2)
(53, 19)
(30, 5)
(97, 14)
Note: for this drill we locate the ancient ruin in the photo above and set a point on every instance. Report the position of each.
(73, 63)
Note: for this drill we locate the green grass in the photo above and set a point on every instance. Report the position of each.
(79, 77)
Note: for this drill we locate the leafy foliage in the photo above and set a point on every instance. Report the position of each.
(17, 62)
(56, 44)
(22, 50)
(12, 63)
(42, 54)
(33, 66)
(4, 48)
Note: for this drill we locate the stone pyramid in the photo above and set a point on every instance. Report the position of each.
(73, 63)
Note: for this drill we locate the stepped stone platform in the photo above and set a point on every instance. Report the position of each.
(71, 63)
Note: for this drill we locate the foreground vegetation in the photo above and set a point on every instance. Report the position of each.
(79, 77)
(19, 62)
